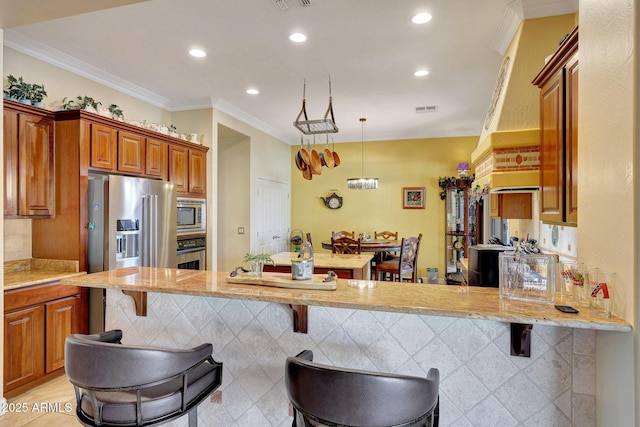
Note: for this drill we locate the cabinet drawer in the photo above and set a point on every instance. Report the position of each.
(32, 295)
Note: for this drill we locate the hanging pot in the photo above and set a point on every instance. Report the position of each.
(304, 154)
(336, 158)
(327, 156)
(314, 161)
(300, 163)
(306, 174)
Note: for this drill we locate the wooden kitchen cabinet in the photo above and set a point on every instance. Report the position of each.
(37, 320)
(157, 159)
(104, 147)
(512, 205)
(188, 170)
(29, 160)
(23, 346)
(131, 153)
(179, 168)
(197, 172)
(558, 83)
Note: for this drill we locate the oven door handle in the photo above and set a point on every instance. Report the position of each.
(188, 251)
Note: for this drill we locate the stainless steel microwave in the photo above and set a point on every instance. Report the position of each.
(192, 216)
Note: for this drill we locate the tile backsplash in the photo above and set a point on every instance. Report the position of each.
(17, 239)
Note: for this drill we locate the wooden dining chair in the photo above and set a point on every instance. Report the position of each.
(407, 262)
(343, 233)
(386, 235)
(345, 245)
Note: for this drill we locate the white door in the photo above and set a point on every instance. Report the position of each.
(273, 215)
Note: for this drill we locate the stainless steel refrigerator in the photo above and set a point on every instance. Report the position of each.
(132, 222)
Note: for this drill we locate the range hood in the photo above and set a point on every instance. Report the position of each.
(507, 157)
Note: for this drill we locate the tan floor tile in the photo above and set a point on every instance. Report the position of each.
(51, 404)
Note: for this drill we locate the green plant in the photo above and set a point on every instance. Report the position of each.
(79, 103)
(265, 258)
(173, 128)
(116, 111)
(17, 88)
(37, 93)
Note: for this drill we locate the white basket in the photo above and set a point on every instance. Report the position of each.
(528, 277)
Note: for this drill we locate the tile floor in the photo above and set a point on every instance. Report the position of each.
(48, 405)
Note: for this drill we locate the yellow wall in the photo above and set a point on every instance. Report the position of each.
(397, 164)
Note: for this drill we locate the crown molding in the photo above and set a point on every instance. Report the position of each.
(42, 52)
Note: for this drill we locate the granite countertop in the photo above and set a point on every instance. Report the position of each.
(428, 299)
(36, 271)
(326, 260)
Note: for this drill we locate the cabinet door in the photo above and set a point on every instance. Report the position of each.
(157, 163)
(179, 168)
(571, 143)
(36, 166)
(62, 320)
(197, 172)
(10, 163)
(131, 149)
(551, 149)
(23, 346)
(104, 143)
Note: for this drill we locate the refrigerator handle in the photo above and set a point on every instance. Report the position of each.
(149, 230)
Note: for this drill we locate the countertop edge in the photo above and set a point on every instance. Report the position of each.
(117, 279)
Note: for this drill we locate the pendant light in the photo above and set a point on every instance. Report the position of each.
(362, 183)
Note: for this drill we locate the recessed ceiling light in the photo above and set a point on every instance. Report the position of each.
(252, 91)
(297, 37)
(198, 53)
(421, 73)
(421, 18)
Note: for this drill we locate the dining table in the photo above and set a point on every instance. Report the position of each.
(372, 245)
(378, 246)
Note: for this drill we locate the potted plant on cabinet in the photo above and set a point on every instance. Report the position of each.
(80, 103)
(18, 89)
(37, 94)
(116, 112)
(257, 262)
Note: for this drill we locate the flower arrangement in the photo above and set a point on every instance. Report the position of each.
(446, 183)
(479, 193)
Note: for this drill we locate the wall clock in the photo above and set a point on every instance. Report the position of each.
(333, 201)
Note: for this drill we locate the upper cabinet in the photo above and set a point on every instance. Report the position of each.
(188, 170)
(29, 161)
(558, 83)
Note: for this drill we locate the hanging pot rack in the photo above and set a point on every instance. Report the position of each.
(318, 126)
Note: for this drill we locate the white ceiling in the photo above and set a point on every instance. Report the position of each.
(369, 49)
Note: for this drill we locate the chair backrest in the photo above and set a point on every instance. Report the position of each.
(343, 233)
(309, 239)
(345, 245)
(385, 235)
(409, 256)
(349, 397)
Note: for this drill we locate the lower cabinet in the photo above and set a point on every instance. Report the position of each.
(37, 320)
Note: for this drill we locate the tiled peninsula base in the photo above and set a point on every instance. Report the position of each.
(481, 384)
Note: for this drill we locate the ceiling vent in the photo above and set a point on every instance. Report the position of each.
(427, 109)
(305, 2)
(281, 4)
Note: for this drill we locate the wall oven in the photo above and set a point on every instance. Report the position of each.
(191, 253)
(192, 216)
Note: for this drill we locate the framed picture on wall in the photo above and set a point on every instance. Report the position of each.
(413, 197)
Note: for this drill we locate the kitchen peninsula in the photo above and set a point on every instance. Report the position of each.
(392, 327)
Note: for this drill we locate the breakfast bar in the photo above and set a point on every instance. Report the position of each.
(382, 326)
